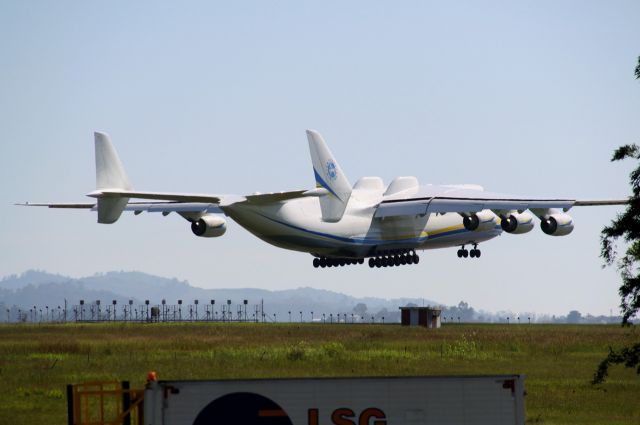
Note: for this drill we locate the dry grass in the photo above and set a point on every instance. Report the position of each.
(36, 362)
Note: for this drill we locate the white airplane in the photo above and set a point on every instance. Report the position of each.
(337, 223)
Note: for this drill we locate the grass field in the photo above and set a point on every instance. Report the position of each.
(37, 361)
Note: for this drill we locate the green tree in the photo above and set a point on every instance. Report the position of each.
(625, 226)
(574, 316)
(360, 309)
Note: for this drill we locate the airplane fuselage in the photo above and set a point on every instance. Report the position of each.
(297, 225)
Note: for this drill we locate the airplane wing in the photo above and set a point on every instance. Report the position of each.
(472, 201)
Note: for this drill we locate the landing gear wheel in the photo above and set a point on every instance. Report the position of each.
(396, 260)
(459, 253)
(323, 262)
(472, 253)
(478, 253)
(372, 262)
(465, 253)
(360, 260)
(316, 263)
(378, 262)
(416, 259)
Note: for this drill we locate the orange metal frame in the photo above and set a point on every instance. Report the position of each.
(104, 403)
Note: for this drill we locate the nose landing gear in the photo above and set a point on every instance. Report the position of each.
(474, 253)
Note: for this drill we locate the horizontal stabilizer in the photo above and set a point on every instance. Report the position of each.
(267, 198)
(76, 205)
(161, 196)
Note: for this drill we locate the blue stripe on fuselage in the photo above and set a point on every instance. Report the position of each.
(368, 241)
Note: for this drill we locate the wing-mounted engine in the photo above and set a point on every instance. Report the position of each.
(516, 223)
(481, 221)
(557, 224)
(209, 226)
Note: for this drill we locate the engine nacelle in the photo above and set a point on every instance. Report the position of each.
(517, 223)
(558, 224)
(209, 226)
(481, 221)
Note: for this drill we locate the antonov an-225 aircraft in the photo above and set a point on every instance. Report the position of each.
(337, 223)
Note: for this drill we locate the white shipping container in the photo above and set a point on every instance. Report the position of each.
(459, 400)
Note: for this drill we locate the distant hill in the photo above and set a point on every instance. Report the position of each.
(42, 289)
(38, 288)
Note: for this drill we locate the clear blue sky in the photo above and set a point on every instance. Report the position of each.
(521, 97)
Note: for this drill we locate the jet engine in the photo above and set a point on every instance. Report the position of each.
(558, 224)
(480, 222)
(517, 223)
(209, 226)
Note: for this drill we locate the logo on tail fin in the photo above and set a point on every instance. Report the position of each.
(332, 173)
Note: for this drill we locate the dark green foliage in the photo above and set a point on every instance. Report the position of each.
(630, 356)
(627, 227)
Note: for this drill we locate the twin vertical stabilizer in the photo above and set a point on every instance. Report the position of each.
(329, 176)
(110, 174)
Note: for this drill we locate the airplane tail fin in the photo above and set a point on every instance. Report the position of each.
(329, 176)
(110, 174)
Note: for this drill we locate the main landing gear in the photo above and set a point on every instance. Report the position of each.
(336, 262)
(395, 258)
(474, 253)
(384, 259)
